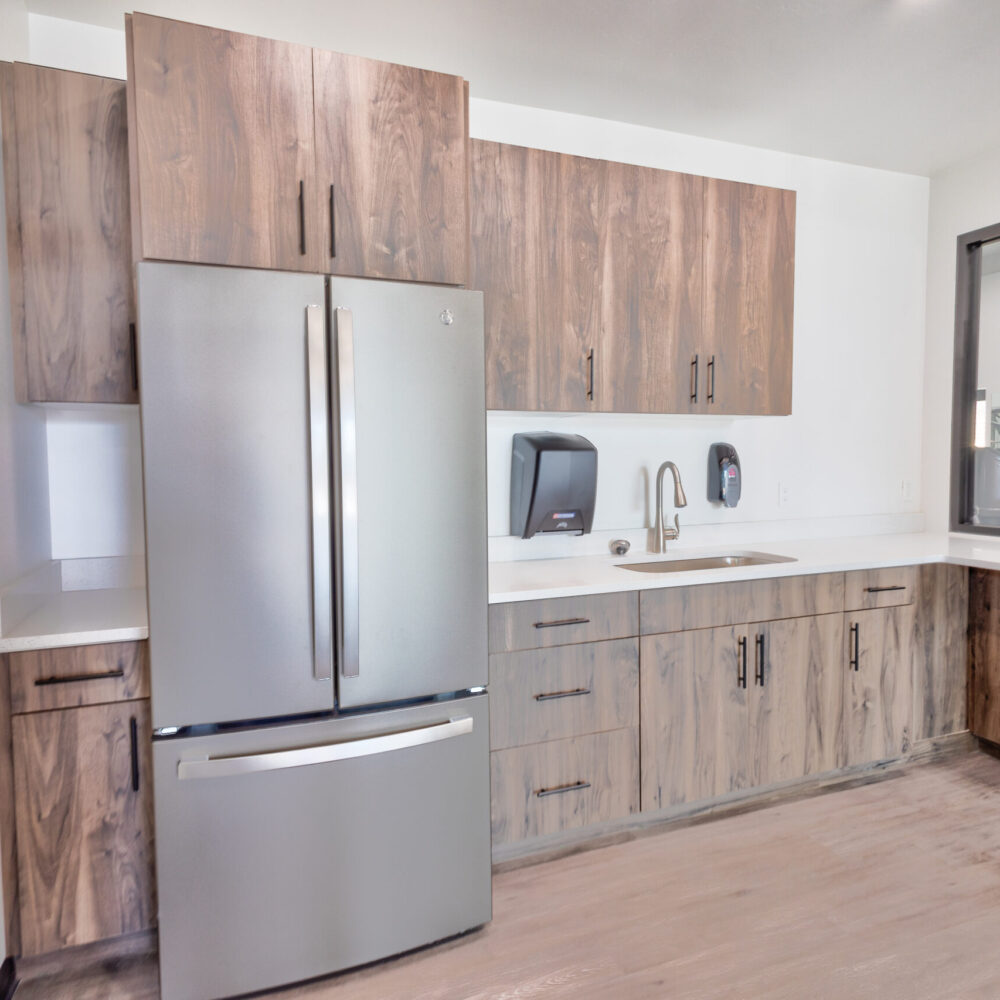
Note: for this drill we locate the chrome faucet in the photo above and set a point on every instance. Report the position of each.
(662, 535)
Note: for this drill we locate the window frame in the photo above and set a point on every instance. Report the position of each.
(968, 288)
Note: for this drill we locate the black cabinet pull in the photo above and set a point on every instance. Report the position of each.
(883, 590)
(759, 671)
(694, 379)
(333, 225)
(134, 358)
(302, 218)
(854, 661)
(563, 621)
(711, 379)
(134, 738)
(741, 662)
(553, 695)
(74, 678)
(590, 375)
(573, 786)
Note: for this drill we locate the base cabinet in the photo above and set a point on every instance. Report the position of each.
(84, 824)
(878, 700)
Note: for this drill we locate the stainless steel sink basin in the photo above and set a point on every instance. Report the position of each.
(705, 562)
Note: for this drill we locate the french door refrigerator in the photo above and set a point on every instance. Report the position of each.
(314, 473)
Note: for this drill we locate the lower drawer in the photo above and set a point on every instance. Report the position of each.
(549, 787)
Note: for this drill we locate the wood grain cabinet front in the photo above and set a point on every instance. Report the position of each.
(257, 153)
(878, 695)
(546, 694)
(547, 788)
(84, 824)
(865, 590)
(66, 185)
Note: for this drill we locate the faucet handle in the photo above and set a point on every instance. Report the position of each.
(671, 534)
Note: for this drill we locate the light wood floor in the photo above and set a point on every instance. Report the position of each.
(887, 890)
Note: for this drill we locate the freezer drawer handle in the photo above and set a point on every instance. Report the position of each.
(882, 590)
(573, 786)
(319, 476)
(365, 746)
(575, 693)
(75, 678)
(347, 446)
(563, 621)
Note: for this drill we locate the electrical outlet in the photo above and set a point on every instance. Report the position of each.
(907, 491)
(784, 494)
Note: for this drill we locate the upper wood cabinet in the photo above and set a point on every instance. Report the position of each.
(221, 146)
(258, 153)
(614, 287)
(391, 169)
(749, 242)
(65, 153)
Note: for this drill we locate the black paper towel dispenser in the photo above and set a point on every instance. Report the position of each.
(553, 483)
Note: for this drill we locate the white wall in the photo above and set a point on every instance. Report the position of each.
(854, 437)
(963, 198)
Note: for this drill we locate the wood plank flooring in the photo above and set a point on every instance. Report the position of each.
(883, 890)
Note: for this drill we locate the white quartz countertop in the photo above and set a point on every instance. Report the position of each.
(532, 579)
(79, 618)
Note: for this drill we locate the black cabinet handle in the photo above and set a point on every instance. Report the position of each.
(135, 358)
(573, 786)
(883, 590)
(854, 661)
(75, 678)
(741, 662)
(333, 225)
(302, 218)
(134, 737)
(590, 375)
(694, 379)
(552, 696)
(759, 671)
(711, 379)
(563, 621)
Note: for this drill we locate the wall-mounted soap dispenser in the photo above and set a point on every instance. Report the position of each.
(553, 483)
(724, 474)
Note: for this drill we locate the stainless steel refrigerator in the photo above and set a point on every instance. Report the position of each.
(314, 472)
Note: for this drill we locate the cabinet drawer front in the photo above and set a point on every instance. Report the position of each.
(879, 588)
(547, 694)
(560, 621)
(716, 604)
(73, 676)
(555, 786)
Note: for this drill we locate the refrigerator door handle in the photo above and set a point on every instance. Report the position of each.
(366, 746)
(319, 474)
(348, 625)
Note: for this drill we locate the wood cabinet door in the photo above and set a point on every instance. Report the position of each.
(796, 698)
(66, 161)
(391, 170)
(984, 654)
(537, 242)
(222, 149)
(651, 290)
(84, 824)
(693, 715)
(878, 693)
(749, 250)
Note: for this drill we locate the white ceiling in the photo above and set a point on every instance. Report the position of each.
(910, 85)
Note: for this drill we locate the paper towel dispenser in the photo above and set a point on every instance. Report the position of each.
(553, 483)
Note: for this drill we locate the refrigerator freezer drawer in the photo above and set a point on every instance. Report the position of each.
(287, 853)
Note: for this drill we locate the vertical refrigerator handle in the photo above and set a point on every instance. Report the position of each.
(347, 621)
(319, 475)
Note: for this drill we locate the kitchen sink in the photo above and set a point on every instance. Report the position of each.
(705, 562)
